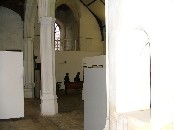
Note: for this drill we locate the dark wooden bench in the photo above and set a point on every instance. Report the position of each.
(73, 85)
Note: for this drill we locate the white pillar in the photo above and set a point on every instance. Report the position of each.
(162, 50)
(111, 20)
(49, 104)
(29, 68)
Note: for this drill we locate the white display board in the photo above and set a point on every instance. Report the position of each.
(11, 85)
(95, 60)
(95, 99)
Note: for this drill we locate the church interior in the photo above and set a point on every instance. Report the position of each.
(86, 64)
(75, 30)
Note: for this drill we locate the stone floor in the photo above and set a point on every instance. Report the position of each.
(70, 116)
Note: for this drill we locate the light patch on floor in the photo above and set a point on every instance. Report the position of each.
(69, 121)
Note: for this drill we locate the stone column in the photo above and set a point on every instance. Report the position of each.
(49, 104)
(111, 19)
(29, 68)
(162, 96)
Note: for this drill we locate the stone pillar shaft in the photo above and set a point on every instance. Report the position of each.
(29, 68)
(111, 47)
(49, 104)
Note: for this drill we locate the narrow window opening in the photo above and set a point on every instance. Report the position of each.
(57, 38)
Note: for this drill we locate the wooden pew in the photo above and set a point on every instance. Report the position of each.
(73, 85)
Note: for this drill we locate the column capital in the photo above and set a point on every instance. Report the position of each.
(47, 20)
(46, 8)
(28, 39)
(30, 3)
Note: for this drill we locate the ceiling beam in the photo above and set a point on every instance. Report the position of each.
(91, 2)
(102, 2)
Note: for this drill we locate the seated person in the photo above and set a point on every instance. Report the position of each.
(66, 78)
(77, 78)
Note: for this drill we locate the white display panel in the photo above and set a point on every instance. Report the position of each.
(11, 85)
(95, 99)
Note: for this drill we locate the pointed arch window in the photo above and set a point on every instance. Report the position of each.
(57, 37)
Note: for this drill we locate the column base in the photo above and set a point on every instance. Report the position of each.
(49, 105)
(107, 124)
(29, 91)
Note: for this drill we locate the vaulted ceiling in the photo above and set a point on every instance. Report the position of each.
(96, 7)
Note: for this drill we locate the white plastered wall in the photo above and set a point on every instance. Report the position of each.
(156, 18)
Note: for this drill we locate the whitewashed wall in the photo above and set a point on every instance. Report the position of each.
(11, 30)
(148, 19)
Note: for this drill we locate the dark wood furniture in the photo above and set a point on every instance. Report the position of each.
(73, 85)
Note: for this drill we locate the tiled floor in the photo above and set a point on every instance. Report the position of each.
(70, 116)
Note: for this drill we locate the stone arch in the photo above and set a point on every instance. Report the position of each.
(71, 42)
(3, 8)
(11, 26)
(72, 5)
